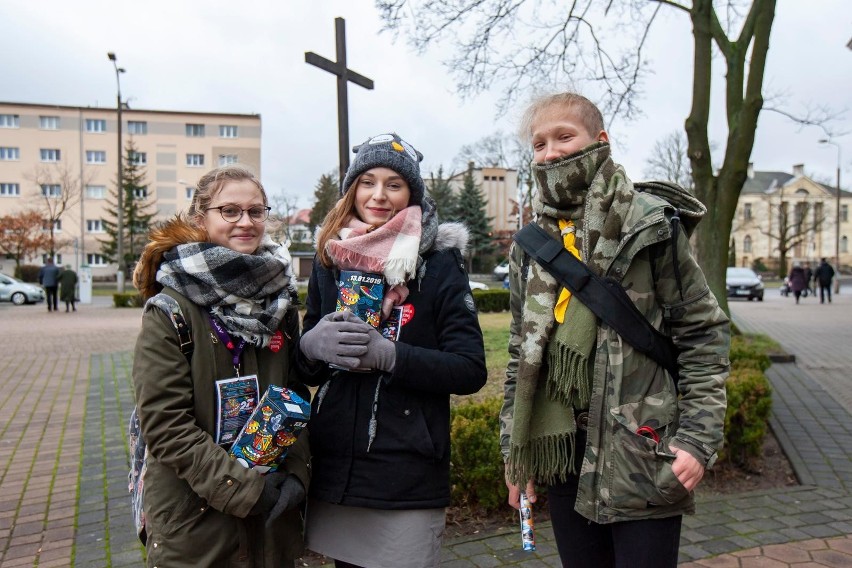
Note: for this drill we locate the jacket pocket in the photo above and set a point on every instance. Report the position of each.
(401, 427)
(640, 461)
(186, 512)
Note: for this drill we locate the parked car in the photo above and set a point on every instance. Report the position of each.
(744, 283)
(501, 270)
(19, 293)
(477, 285)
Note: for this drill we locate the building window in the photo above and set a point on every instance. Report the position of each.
(139, 158)
(747, 212)
(227, 131)
(57, 258)
(95, 260)
(189, 192)
(95, 125)
(57, 225)
(11, 121)
(195, 130)
(48, 122)
(94, 226)
(95, 191)
(51, 190)
(195, 160)
(844, 213)
(227, 159)
(95, 157)
(140, 192)
(10, 190)
(844, 244)
(7, 153)
(747, 244)
(137, 127)
(50, 154)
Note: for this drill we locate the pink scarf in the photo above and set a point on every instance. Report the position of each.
(390, 250)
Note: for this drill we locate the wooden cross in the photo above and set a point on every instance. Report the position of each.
(344, 75)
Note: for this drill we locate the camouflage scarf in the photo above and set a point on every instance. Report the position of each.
(590, 189)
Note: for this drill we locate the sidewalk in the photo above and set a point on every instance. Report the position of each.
(65, 397)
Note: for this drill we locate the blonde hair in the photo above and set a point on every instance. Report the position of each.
(212, 182)
(587, 111)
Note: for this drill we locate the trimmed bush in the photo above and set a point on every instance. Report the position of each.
(750, 351)
(496, 300)
(476, 465)
(749, 404)
(27, 272)
(127, 300)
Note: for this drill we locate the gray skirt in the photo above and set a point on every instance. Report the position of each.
(376, 538)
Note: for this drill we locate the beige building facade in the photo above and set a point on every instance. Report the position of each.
(770, 197)
(500, 188)
(48, 151)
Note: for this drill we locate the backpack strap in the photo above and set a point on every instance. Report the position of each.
(604, 296)
(172, 309)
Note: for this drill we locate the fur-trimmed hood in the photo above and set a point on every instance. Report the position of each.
(452, 235)
(162, 238)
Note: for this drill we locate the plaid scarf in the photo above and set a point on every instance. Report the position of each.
(249, 293)
(590, 189)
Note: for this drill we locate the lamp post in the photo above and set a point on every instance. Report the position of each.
(837, 233)
(119, 227)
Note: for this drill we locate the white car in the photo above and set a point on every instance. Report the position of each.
(19, 293)
(477, 285)
(501, 270)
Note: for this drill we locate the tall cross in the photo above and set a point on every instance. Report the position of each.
(344, 75)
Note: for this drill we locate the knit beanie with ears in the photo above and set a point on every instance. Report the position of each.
(388, 151)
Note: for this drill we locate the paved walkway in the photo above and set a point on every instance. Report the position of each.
(65, 396)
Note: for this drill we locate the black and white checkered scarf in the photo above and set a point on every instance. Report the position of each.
(249, 293)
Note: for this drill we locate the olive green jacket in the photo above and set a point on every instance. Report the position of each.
(197, 499)
(625, 475)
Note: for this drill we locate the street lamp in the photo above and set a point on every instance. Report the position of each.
(119, 228)
(837, 234)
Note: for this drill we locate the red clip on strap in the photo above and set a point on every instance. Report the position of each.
(649, 433)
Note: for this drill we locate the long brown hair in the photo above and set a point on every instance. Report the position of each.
(335, 220)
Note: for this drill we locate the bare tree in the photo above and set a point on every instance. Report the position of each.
(59, 189)
(795, 221)
(526, 45)
(669, 161)
(284, 206)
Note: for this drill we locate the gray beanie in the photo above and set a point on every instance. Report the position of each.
(388, 151)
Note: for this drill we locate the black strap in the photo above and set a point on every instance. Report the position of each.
(604, 296)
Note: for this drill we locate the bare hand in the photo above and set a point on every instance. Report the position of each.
(687, 469)
(515, 493)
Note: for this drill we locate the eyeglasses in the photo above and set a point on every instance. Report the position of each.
(232, 213)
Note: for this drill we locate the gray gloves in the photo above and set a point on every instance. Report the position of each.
(338, 338)
(381, 352)
(281, 492)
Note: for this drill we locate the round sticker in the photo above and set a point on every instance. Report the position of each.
(407, 314)
(276, 342)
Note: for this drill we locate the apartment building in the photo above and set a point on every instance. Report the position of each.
(48, 150)
(500, 188)
(774, 203)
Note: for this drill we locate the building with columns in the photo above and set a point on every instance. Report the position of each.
(46, 150)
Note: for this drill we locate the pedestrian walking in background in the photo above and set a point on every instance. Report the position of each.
(236, 289)
(68, 288)
(380, 434)
(824, 275)
(809, 276)
(48, 277)
(618, 445)
(798, 280)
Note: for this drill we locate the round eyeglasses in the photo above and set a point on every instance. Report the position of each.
(232, 213)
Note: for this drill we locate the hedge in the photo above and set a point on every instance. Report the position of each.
(127, 300)
(496, 300)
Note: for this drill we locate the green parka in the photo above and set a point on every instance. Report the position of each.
(624, 475)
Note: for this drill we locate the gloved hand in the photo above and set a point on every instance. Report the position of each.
(338, 338)
(272, 483)
(292, 493)
(381, 353)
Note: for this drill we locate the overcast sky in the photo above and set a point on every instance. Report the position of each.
(222, 56)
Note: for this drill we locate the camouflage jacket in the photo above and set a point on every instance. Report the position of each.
(625, 475)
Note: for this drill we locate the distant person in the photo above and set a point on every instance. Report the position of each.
(824, 274)
(809, 276)
(48, 277)
(68, 288)
(798, 280)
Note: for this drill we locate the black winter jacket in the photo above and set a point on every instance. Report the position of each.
(439, 352)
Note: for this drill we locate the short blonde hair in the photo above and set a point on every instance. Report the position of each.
(587, 111)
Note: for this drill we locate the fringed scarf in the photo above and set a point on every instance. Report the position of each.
(248, 293)
(592, 191)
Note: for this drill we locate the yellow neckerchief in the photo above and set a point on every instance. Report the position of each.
(567, 229)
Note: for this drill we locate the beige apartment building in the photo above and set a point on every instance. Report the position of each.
(500, 188)
(47, 151)
(758, 222)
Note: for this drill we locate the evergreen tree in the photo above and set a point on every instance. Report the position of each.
(137, 212)
(446, 201)
(326, 194)
(471, 209)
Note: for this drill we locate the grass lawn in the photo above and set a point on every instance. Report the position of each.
(495, 332)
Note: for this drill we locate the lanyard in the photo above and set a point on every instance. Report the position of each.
(236, 350)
